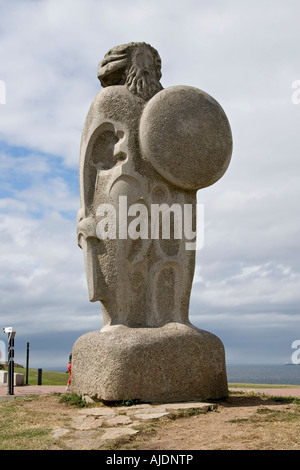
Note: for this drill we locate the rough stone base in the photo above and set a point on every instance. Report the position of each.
(176, 362)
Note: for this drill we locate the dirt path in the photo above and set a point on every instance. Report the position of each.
(240, 423)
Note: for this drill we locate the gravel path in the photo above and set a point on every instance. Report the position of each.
(31, 390)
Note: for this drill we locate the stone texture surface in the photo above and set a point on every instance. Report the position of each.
(153, 415)
(86, 422)
(173, 363)
(57, 433)
(145, 145)
(146, 410)
(118, 420)
(99, 412)
(186, 136)
(190, 405)
(140, 282)
(87, 431)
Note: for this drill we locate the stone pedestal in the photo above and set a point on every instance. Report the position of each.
(176, 362)
(18, 378)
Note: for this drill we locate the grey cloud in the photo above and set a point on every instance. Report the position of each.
(245, 54)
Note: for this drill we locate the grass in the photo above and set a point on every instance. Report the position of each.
(20, 429)
(72, 399)
(267, 415)
(48, 377)
(251, 385)
(27, 423)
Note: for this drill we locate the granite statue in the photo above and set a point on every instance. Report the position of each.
(145, 152)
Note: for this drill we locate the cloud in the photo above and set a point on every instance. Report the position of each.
(42, 280)
(261, 287)
(245, 54)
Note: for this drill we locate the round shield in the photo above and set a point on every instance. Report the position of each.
(186, 136)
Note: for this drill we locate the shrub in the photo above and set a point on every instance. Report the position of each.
(72, 399)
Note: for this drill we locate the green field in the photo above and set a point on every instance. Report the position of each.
(251, 385)
(48, 377)
(61, 378)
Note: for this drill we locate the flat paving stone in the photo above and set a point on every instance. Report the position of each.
(59, 432)
(149, 409)
(121, 419)
(134, 407)
(101, 411)
(152, 415)
(189, 405)
(114, 433)
(86, 422)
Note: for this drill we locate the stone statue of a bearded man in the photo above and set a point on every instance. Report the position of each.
(145, 152)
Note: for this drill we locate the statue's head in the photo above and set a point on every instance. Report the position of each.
(136, 65)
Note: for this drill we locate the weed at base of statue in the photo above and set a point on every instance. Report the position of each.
(176, 362)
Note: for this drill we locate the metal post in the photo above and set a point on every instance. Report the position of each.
(11, 364)
(27, 363)
(39, 376)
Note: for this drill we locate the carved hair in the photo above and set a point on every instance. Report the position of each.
(117, 68)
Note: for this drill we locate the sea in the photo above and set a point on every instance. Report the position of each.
(283, 374)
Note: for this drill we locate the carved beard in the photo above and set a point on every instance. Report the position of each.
(142, 82)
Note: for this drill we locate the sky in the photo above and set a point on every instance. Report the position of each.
(245, 54)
